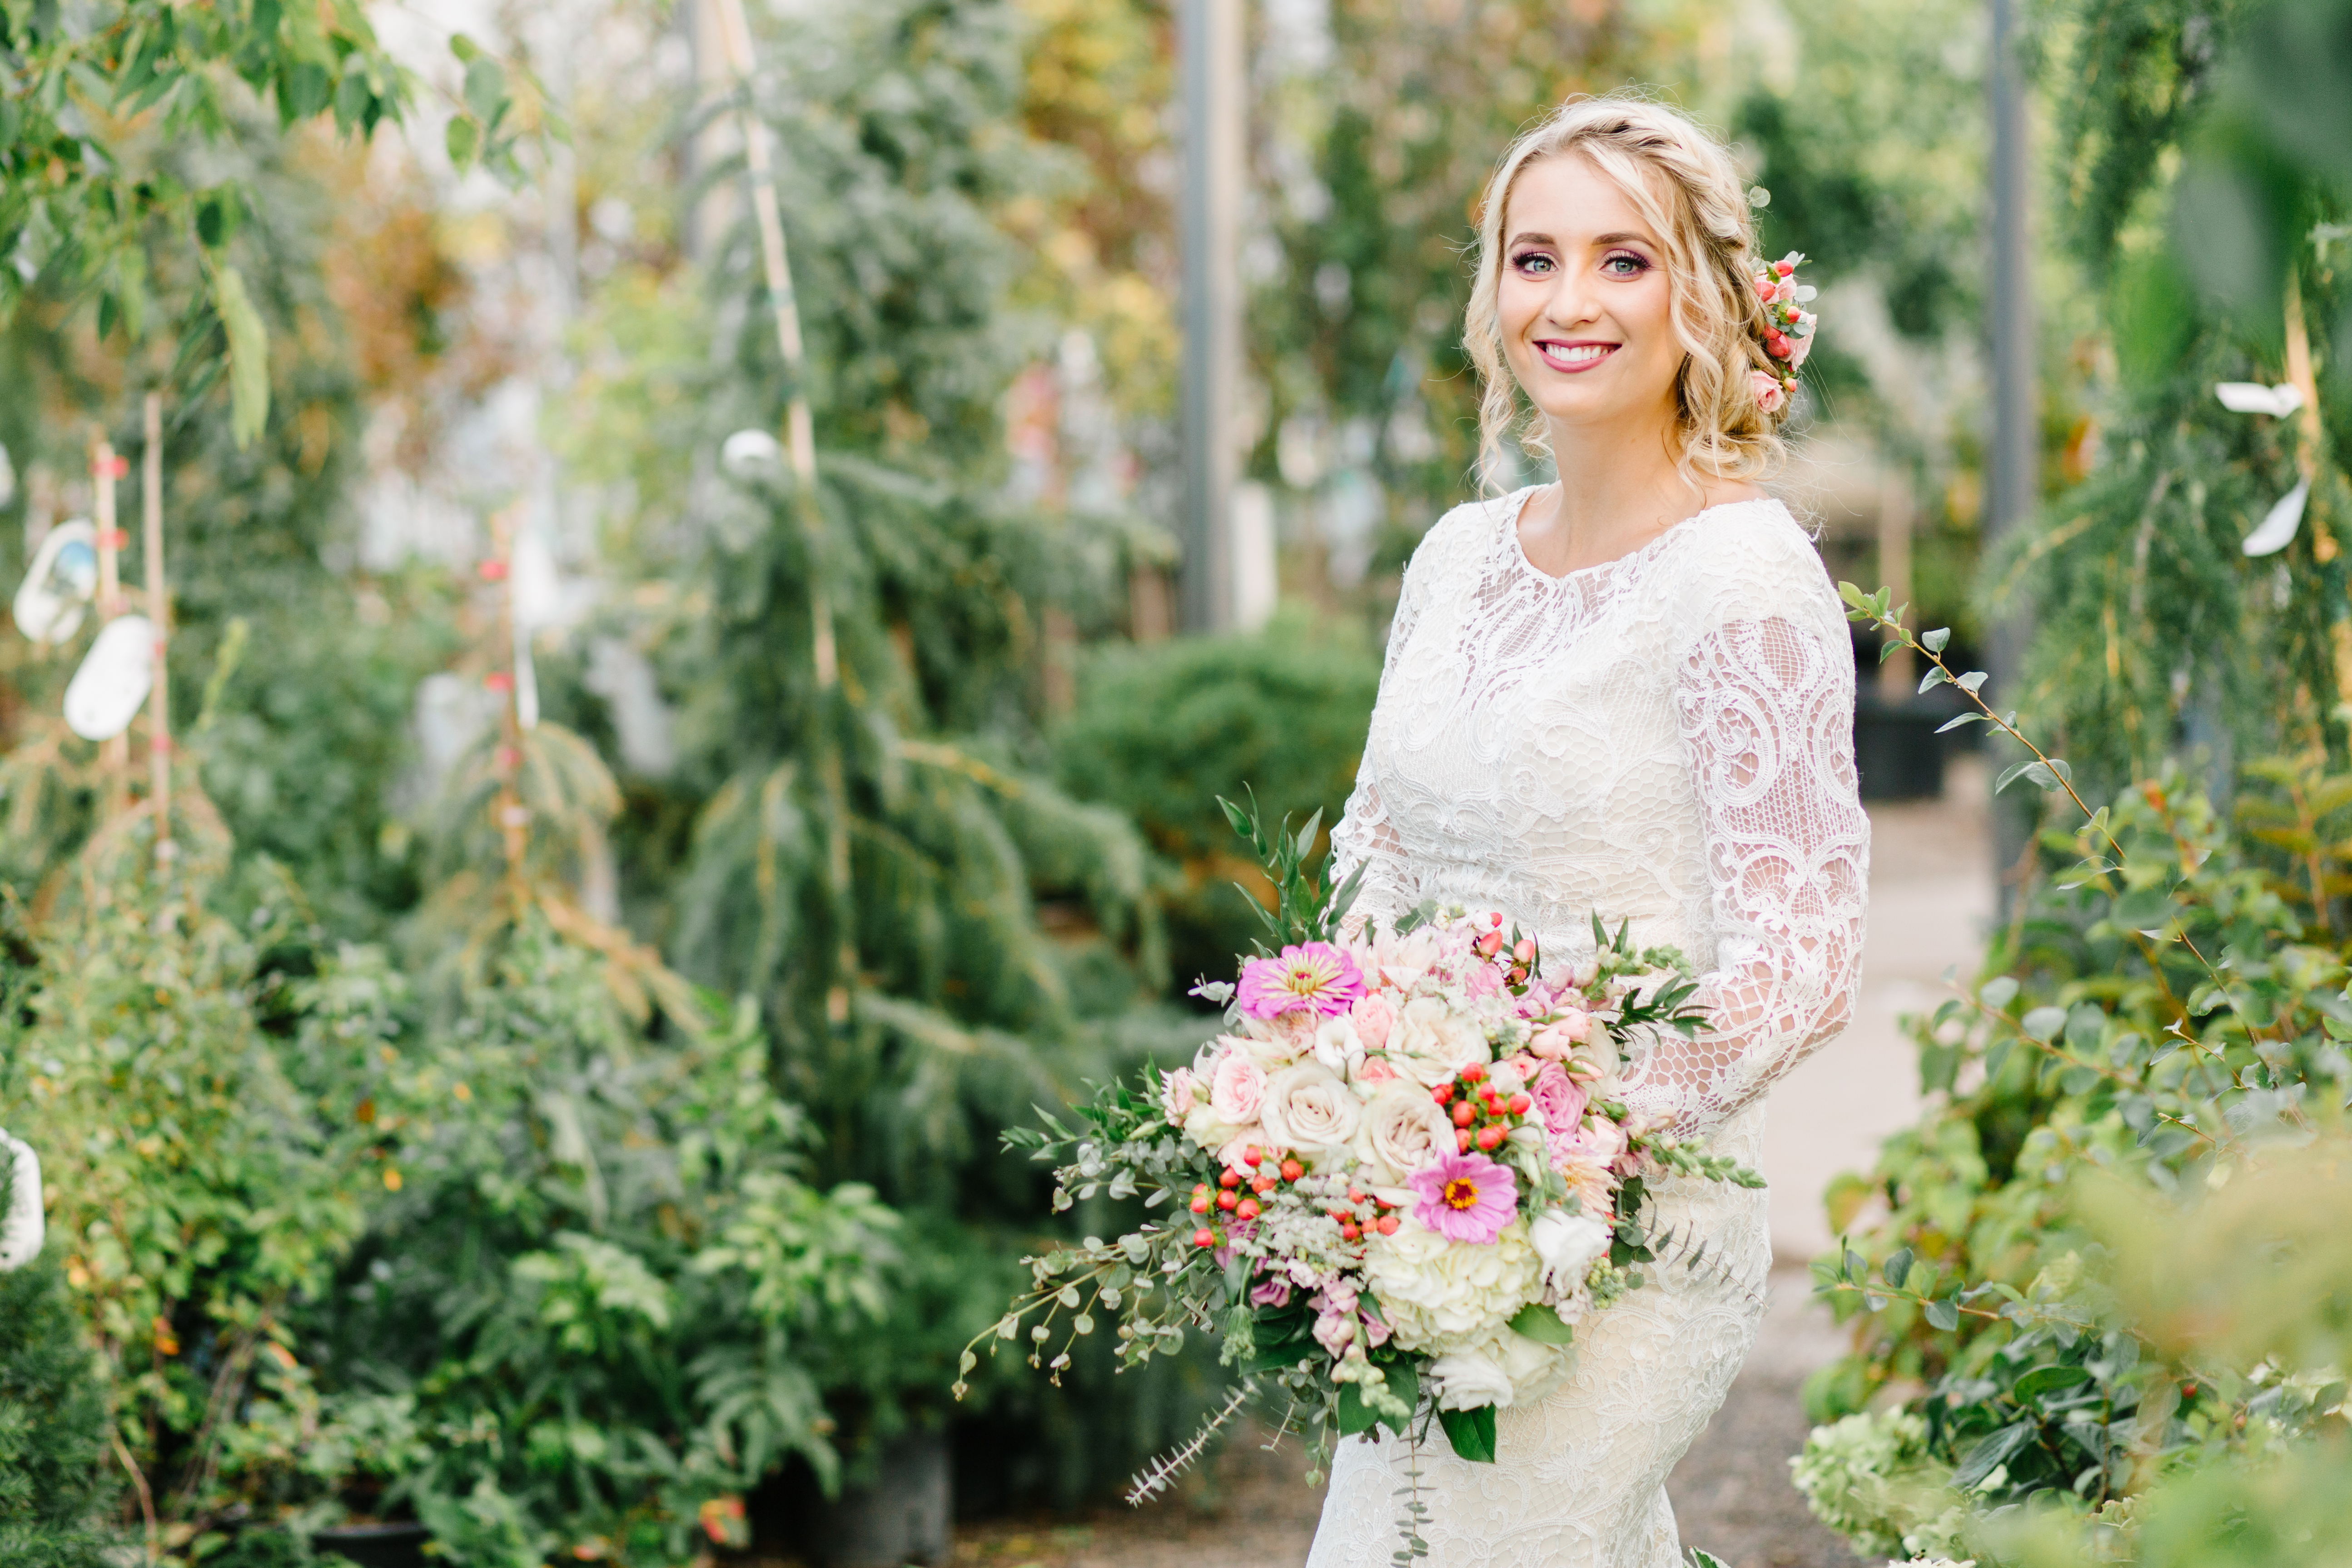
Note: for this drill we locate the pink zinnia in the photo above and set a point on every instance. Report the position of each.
(1315, 976)
(1465, 1197)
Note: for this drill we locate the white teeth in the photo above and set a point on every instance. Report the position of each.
(1579, 354)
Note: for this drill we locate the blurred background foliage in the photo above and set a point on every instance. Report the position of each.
(555, 1095)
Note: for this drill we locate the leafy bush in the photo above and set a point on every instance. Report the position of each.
(53, 1435)
(1160, 731)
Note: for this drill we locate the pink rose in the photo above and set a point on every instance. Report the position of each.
(1573, 1028)
(1484, 981)
(1270, 1293)
(1784, 291)
(1177, 1090)
(1599, 1138)
(1374, 1017)
(1237, 1089)
(1770, 393)
(1376, 1070)
(1801, 347)
(1560, 1100)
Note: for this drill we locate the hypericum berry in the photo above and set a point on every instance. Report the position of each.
(1441, 1093)
(1355, 1194)
(1461, 1139)
(1292, 1170)
(1348, 1231)
(1490, 1137)
(1200, 1201)
(1526, 950)
(1204, 1237)
(1465, 1113)
(1519, 1103)
(1474, 1072)
(1494, 920)
(1227, 1199)
(1386, 1224)
(1252, 1156)
(1263, 1183)
(1229, 1177)
(1248, 1209)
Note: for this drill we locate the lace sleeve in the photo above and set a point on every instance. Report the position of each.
(1364, 836)
(1766, 708)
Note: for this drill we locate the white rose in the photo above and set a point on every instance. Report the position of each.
(1308, 1107)
(1468, 1378)
(1274, 1043)
(1441, 1295)
(1534, 1368)
(1335, 1044)
(1401, 1131)
(1432, 1042)
(1568, 1244)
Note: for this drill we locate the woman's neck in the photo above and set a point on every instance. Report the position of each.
(1618, 490)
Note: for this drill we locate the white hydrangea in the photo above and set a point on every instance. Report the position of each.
(1502, 1370)
(1441, 1295)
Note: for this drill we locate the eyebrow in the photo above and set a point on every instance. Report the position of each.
(1620, 238)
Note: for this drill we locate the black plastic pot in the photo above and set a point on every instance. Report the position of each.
(375, 1545)
(1897, 750)
(906, 1514)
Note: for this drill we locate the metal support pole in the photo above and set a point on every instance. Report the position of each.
(2013, 487)
(1210, 38)
(159, 700)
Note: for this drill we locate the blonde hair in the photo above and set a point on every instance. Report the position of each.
(1684, 184)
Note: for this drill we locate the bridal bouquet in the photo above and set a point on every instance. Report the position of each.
(1396, 1184)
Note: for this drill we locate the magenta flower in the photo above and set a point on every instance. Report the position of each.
(1313, 975)
(1465, 1197)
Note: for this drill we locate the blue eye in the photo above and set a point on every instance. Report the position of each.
(1624, 264)
(1532, 260)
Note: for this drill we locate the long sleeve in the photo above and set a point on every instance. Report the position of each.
(1765, 700)
(1364, 836)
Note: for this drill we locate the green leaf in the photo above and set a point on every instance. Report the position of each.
(486, 89)
(1963, 719)
(2011, 774)
(1970, 681)
(248, 357)
(1994, 1449)
(1897, 1267)
(1944, 1314)
(1540, 1324)
(464, 140)
(1933, 678)
(1998, 991)
(464, 47)
(2043, 1023)
(2029, 1388)
(1707, 1560)
(1935, 641)
(1472, 1433)
(1355, 1415)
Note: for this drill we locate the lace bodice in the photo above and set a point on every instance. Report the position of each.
(1665, 738)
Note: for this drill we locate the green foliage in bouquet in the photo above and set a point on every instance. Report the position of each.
(53, 1427)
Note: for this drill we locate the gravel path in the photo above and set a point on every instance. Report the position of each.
(1250, 1509)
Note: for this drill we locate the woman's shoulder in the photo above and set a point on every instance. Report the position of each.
(1468, 529)
(1753, 554)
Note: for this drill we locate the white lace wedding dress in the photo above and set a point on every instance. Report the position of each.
(1665, 738)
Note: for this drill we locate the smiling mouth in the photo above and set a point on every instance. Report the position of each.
(1572, 358)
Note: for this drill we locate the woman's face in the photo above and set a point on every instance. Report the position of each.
(1583, 298)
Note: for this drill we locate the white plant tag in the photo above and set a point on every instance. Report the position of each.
(21, 1229)
(2253, 398)
(59, 584)
(2276, 531)
(113, 680)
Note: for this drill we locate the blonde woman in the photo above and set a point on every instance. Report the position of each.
(1628, 691)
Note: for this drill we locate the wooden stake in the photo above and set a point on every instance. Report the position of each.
(800, 444)
(159, 700)
(114, 755)
(1895, 677)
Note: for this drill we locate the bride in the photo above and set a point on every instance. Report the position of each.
(1629, 692)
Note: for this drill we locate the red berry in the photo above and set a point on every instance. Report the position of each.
(1441, 1093)
(1205, 1237)
(1784, 268)
(1229, 1177)
(1248, 1209)
(1252, 1156)
(1491, 1136)
(1465, 1113)
(1226, 1200)
(1461, 1139)
(1386, 1224)
(1292, 1170)
(1473, 1073)
(1348, 1231)
(1519, 1103)
(1200, 1201)
(1263, 1183)
(1355, 1194)
(1526, 950)
(1494, 920)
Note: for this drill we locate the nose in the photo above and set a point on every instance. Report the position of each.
(1573, 302)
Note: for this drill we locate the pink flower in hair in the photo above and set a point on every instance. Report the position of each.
(1770, 393)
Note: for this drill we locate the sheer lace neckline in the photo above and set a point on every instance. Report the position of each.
(1515, 507)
